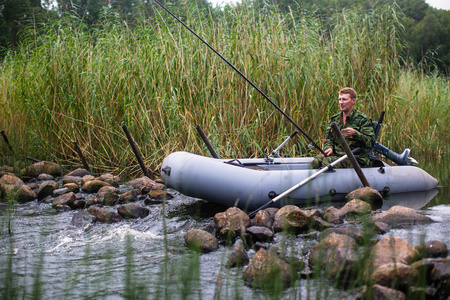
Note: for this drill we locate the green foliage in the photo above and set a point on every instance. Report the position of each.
(71, 81)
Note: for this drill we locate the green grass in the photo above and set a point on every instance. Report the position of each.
(69, 82)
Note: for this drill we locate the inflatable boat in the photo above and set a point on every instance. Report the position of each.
(250, 183)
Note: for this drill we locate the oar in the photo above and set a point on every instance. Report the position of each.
(323, 170)
(243, 76)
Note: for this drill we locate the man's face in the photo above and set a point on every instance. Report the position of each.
(346, 103)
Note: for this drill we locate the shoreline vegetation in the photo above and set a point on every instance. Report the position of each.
(70, 83)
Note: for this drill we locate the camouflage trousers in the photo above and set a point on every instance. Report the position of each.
(323, 161)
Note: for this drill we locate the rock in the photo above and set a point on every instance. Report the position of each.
(78, 203)
(66, 199)
(260, 234)
(128, 197)
(380, 292)
(290, 218)
(395, 275)
(59, 192)
(93, 186)
(354, 233)
(356, 207)
(263, 218)
(398, 215)
(366, 194)
(145, 184)
(104, 215)
(20, 193)
(72, 187)
(266, 270)
(45, 177)
(432, 249)
(109, 194)
(10, 180)
(79, 173)
(25, 194)
(336, 255)
(200, 240)
(86, 178)
(334, 215)
(381, 227)
(133, 211)
(313, 213)
(110, 179)
(231, 223)
(393, 249)
(46, 167)
(71, 179)
(434, 269)
(160, 195)
(94, 200)
(82, 219)
(62, 208)
(238, 257)
(318, 223)
(46, 188)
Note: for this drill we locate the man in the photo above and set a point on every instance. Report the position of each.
(357, 130)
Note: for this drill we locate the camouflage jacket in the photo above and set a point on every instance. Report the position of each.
(363, 138)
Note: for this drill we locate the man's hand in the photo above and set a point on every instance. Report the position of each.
(329, 151)
(348, 132)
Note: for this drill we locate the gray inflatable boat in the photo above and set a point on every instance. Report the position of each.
(251, 183)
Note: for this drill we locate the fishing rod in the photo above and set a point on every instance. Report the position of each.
(243, 76)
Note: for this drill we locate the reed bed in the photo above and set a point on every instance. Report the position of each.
(71, 83)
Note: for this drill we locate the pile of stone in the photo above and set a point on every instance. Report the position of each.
(98, 199)
(346, 247)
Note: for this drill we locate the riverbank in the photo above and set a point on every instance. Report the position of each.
(148, 257)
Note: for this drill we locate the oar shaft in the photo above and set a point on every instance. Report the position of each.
(243, 76)
(323, 170)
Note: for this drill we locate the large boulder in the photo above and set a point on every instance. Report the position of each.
(263, 218)
(11, 180)
(393, 249)
(231, 223)
(200, 240)
(21, 193)
(399, 215)
(46, 167)
(395, 275)
(290, 218)
(366, 194)
(356, 207)
(336, 255)
(266, 270)
(355, 233)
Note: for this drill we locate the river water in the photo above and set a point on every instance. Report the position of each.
(43, 256)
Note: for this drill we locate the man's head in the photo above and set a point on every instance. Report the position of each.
(347, 98)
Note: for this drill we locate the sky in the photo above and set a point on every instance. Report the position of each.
(441, 4)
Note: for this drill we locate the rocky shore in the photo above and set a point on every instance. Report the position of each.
(346, 245)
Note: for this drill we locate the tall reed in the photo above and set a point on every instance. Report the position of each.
(74, 83)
